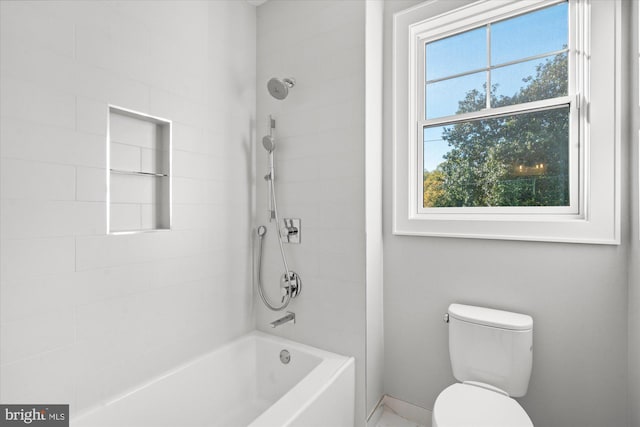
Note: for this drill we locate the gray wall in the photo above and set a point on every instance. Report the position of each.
(634, 253)
(577, 295)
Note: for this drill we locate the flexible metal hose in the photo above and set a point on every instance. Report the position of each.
(264, 298)
(262, 230)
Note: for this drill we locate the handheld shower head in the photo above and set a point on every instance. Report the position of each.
(279, 88)
(269, 143)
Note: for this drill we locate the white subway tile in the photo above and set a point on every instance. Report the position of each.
(192, 138)
(45, 68)
(117, 250)
(25, 140)
(91, 184)
(55, 292)
(66, 75)
(149, 217)
(27, 26)
(112, 88)
(59, 291)
(195, 216)
(125, 157)
(182, 270)
(346, 191)
(91, 116)
(20, 179)
(23, 258)
(98, 365)
(92, 286)
(32, 336)
(133, 188)
(325, 118)
(187, 190)
(24, 100)
(108, 321)
(31, 219)
(329, 215)
(193, 165)
(125, 217)
(155, 160)
(122, 48)
(132, 131)
(310, 168)
(176, 108)
(47, 377)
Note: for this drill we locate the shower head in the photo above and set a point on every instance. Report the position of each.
(279, 88)
(269, 143)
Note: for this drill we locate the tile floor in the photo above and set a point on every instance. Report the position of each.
(390, 419)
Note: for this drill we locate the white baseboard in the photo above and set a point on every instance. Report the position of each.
(375, 416)
(399, 407)
(407, 410)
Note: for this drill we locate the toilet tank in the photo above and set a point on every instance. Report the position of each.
(494, 347)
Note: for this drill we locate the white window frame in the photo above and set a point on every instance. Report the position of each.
(594, 41)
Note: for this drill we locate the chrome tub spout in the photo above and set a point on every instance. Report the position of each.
(289, 317)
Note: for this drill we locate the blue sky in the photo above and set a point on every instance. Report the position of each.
(520, 37)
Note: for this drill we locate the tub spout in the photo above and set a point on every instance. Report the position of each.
(290, 317)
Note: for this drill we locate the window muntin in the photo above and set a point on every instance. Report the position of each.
(464, 52)
(531, 34)
(520, 80)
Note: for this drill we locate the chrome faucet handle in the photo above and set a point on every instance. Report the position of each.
(291, 229)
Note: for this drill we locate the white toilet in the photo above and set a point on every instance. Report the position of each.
(491, 355)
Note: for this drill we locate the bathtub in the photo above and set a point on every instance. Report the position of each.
(243, 384)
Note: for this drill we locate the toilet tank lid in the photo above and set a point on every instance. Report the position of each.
(490, 317)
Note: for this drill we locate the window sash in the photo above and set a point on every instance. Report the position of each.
(496, 66)
(573, 100)
(574, 169)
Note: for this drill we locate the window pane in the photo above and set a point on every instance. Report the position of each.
(456, 54)
(530, 81)
(516, 160)
(531, 34)
(458, 95)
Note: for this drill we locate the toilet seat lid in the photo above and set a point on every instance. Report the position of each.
(463, 405)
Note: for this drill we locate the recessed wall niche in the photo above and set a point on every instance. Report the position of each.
(139, 172)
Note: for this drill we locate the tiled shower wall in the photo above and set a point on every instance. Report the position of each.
(85, 314)
(320, 170)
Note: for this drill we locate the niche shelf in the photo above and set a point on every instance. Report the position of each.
(138, 172)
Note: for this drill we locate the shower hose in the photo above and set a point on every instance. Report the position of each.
(262, 231)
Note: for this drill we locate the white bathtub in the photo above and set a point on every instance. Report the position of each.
(243, 384)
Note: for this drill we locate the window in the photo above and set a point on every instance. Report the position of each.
(493, 121)
(496, 112)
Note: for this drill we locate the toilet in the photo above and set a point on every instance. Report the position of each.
(491, 356)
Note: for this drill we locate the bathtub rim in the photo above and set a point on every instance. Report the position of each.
(330, 366)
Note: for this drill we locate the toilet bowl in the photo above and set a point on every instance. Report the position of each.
(469, 405)
(491, 357)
